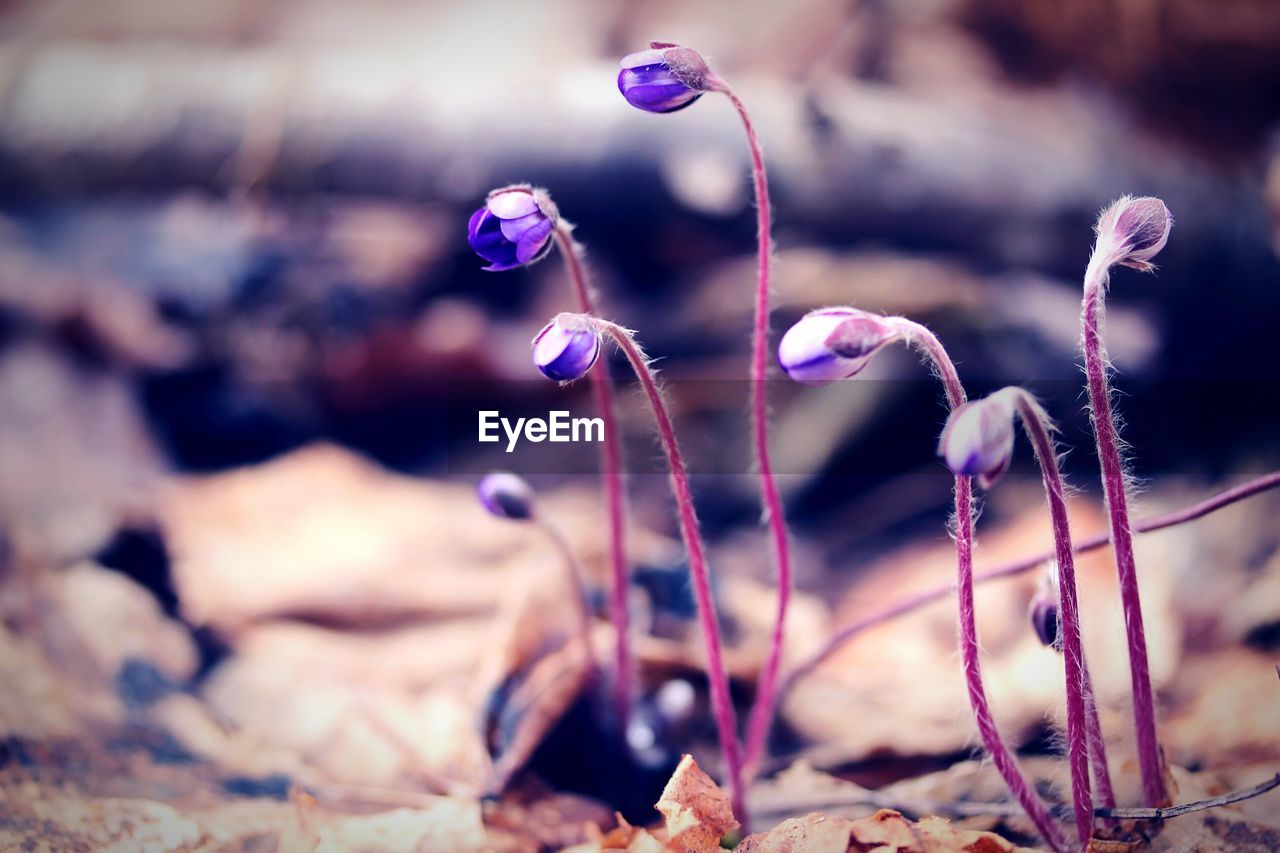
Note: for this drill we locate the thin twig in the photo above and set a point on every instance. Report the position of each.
(1198, 806)
(782, 806)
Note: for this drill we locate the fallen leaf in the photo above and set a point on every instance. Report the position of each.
(886, 831)
(698, 814)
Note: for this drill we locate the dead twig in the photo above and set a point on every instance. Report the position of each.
(1198, 806)
(782, 807)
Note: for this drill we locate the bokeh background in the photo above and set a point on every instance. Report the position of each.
(242, 340)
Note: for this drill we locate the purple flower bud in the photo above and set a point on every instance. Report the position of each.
(513, 228)
(665, 78)
(1044, 620)
(832, 344)
(1138, 228)
(978, 439)
(566, 348)
(506, 496)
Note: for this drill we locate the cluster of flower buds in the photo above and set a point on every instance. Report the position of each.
(1134, 230)
(506, 495)
(513, 228)
(831, 344)
(566, 348)
(978, 439)
(665, 78)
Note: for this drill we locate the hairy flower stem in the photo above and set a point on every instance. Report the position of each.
(612, 482)
(762, 710)
(1106, 794)
(1078, 689)
(717, 676)
(912, 603)
(1113, 487)
(1001, 756)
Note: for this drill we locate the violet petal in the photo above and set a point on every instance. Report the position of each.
(512, 204)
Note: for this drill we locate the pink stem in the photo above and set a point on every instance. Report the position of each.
(1097, 744)
(762, 710)
(1018, 784)
(717, 676)
(1078, 688)
(1113, 487)
(912, 603)
(1001, 756)
(611, 475)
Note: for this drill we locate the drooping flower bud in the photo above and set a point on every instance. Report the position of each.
(978, 439)
(1137, 228)
(566, 348)
(1043, 610)
(1044, 620)
(513, 228)
(665, 78)
(506, 496)
(832, 344)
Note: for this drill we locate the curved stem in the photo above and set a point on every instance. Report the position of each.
(614, 492)
(762, 710)
(912, 603)
(721, 701)
(1113, 487)
(924, 340)
(1097, 744)
(918, 336)
(1078, 689)
(1001, 755)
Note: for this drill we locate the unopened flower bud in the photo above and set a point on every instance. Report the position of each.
(1138, 228)
(1043, 610)
(506, 496)
(513, 228)
(665, 78)
(566, 348)
(1044, 620)
(978, 439)
(832, 344)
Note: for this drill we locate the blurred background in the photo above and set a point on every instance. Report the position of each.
(243, 338)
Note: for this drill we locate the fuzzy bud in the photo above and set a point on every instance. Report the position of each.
(665, 78)
(506, 496)
(978, 439)
(566, 348)
(514, 227)
(832, 344)
(1137, 229)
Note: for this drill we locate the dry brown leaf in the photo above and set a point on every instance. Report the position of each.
(531, 676)
(116, 619)
(32, 818)
(815, 832)
(357, 546)
(886, 831)
(448, 825)
(697, 813)
(533, 817)
(1225, 710)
